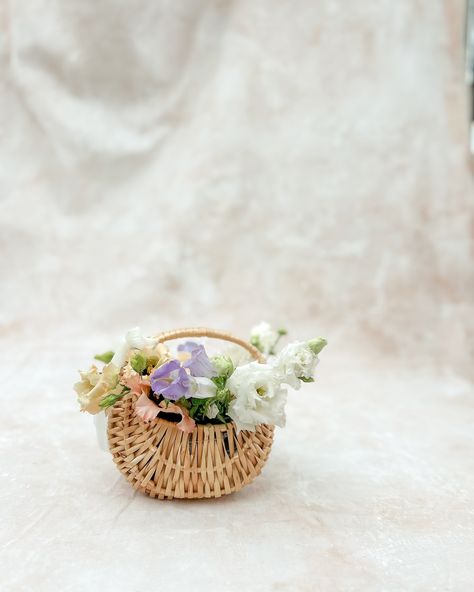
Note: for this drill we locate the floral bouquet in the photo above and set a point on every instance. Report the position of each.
(145, 386)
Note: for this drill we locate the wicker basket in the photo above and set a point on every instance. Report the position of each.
(162, 461)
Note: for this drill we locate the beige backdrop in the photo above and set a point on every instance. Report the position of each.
(218, 163)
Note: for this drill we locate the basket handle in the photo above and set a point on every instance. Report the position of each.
(204, 332)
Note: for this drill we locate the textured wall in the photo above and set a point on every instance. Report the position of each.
(222, 162)
(191, 162)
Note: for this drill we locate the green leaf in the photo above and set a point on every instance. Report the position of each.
(317, 344)
(113, 397)
(184, 402)
(304, 379)
(109, 400)
(282, 332)
(199, 408)
(219, 381)
(255, 341)
(138, 362)
(106, 357)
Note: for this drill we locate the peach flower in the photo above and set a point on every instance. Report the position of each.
(146, 409)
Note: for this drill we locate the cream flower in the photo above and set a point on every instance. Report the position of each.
(258, 397)
(94, 386)
(156, 356)
(88, 381)
(264, 337)
(296, 361)
(128, 371)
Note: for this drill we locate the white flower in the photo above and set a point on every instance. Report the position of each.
(212, 411)
(258, 397)
(137, 340)
(202, 387)
(295, 361)
(133, 340)
(264, 337)
(238, 355)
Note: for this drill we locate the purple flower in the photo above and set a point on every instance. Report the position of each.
(198, 364)
(171, 381)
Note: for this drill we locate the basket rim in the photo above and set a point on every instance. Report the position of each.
(222, 427)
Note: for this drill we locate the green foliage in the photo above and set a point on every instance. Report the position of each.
(106, 357)
(281, 333)
(198, 408)
(255, 341)
(305, 379)
(112, 398)
(138, 362)
(223, 365)
(219, 381)
(184, 402)
(317, 344)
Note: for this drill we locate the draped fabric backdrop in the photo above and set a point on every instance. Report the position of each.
(167, 164)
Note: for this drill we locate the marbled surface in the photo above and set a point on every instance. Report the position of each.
(218, 163)
(370, 487)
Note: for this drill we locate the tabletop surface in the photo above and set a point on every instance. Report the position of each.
(369, 487)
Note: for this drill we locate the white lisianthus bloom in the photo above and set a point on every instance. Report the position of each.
(264, 337)
(296, 361)
(202, 387)
(258, 397)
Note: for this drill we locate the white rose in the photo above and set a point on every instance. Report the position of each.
(264, 337)
(258, 397)
(295, 361)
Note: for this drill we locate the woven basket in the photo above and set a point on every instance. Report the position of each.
(162, 461)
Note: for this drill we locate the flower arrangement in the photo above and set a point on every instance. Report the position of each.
(189, 387)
